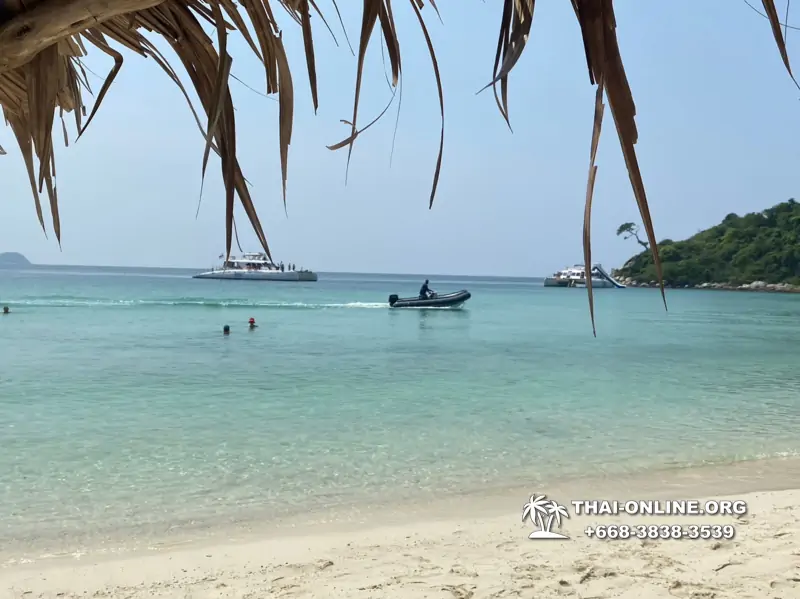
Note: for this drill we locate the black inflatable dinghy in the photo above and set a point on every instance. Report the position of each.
(447, 300)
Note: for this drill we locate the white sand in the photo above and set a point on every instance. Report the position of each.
(486, 557)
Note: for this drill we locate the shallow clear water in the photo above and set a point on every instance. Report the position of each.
(122, 406)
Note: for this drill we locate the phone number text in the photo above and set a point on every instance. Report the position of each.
(665, 532)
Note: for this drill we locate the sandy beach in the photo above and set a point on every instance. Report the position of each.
(457, 557)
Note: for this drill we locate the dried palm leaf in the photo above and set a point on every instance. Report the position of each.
(42, 43)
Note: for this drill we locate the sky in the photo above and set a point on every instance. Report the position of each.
(717, 114)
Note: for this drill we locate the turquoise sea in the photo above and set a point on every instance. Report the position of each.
(125, 413)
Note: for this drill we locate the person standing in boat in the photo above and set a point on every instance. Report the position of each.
(425, 292)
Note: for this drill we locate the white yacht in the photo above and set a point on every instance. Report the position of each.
(257, 267)
(575, 276)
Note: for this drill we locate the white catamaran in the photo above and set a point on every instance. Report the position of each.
(575, 276)
(257, 267)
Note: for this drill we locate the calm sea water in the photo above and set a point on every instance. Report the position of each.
(123, 409)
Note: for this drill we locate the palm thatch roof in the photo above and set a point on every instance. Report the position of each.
(42, 42)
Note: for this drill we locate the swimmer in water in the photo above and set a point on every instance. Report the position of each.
(226, 330)
(252, 324)
(6, 310)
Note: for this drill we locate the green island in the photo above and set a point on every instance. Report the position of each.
(13, 260)
(759, 251)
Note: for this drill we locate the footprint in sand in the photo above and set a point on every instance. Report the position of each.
(507, 545)
(692, 591)
(792, 583)
(462, 571)
(460, 591)
(317, 566)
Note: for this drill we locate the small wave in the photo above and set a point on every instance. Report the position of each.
(184, 302)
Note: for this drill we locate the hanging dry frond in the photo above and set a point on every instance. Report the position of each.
(42, 42)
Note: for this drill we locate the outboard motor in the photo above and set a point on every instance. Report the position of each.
(393, 299)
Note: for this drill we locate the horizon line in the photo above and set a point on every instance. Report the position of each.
(333, 272)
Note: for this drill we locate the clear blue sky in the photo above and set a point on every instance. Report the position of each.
(718, 122)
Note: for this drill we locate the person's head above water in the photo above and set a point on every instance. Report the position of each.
(252, 321)
(226, 330)
(5, 310)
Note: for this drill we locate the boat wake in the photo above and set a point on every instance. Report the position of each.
(74, 302)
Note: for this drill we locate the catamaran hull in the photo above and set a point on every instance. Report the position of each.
(596, 283)
(296, 276)
(448, 300)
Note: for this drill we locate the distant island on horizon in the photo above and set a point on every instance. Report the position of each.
(757, 251)
(13, 260)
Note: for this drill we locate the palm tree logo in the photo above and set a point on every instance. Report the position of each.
(537, 509)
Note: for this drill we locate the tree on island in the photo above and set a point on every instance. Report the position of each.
(759, 246)
(632, 230)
